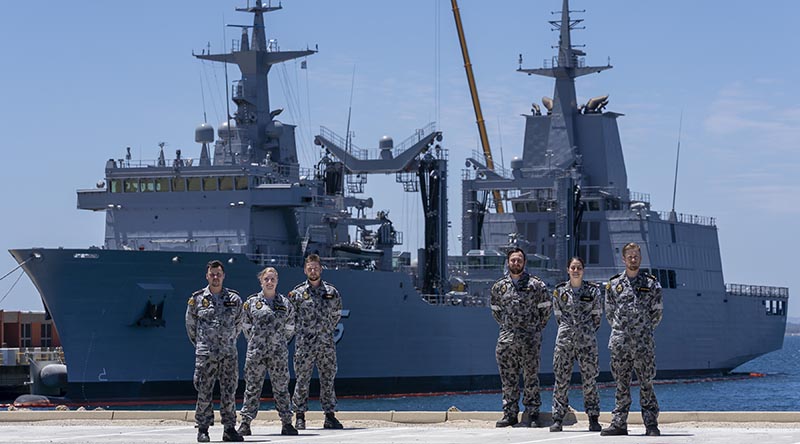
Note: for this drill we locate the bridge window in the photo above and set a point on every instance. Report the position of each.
(131, 185)
(162, 184)
(148, 185)
(226, 183)
(178, 184)
(210, 184)
(116, 185)
(193, 184)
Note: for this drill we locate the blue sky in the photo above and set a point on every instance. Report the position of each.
(82, 81)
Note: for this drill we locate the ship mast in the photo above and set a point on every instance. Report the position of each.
(564, 68)
(254, 118)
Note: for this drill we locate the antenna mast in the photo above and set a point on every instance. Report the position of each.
(677, 159)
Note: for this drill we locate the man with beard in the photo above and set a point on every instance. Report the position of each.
(521, 305)
(213, 322)
(318, 310)
(633, 308)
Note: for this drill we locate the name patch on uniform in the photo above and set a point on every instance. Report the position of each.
(231, 303)
(280, 308)
(586, 298)
(328, 296)
(644, 289)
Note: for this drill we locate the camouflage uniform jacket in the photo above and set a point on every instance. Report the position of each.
(268, 323)
(523, 307)
(633, 308)
(578, 311)
(214, 322)
(318, 310)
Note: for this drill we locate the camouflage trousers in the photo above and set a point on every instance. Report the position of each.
(565, 354)
(515, 355)
(207, 370)
(323, 355)
(276, 361)
(625, 360)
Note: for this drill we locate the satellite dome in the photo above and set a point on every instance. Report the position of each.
(386, 143)
(222, 130)
(204, 133)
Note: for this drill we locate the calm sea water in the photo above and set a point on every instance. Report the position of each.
(769, 383)
(777, 390)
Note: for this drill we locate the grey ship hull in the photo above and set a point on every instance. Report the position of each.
(391, 340)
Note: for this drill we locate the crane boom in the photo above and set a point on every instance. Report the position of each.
(476, 103)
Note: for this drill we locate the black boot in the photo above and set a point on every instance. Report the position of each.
(613, 430)
(331, 422)
(230, 434)
(244, 429)
(652, 430)
(529, 419)
(300, 423)
(509, 419)
(202, 434)
(287, 429)
(594, 424)
(556, 427)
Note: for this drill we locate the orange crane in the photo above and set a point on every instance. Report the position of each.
(476, 103)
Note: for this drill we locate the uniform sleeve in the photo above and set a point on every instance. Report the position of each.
(597, 308)
(557, 308)
(545, 305)
(656, 306)
(290, 321)
(247, 321)
(337, 309)
(191, 321)
(495, 303)
(239, 320)
(610, 304)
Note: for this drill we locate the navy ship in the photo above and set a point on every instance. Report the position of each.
(413, 321)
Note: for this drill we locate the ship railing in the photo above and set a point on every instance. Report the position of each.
(760, 291)
(414, 138)
(640, 197)
(21, 355)
(688, 218)
(344, 144)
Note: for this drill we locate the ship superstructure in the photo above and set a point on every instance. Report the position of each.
(406, 327)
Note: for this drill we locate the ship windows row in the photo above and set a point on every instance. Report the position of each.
(165, 184)
(666, 278)
(775, 307)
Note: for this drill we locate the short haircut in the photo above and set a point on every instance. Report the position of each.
(263, 272)
(516, 250)
(313, 258)
(215, 264)
(630, 246)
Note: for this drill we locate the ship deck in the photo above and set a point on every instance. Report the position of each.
(396, 427)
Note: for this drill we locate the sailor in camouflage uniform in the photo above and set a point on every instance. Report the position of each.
(318, 310)
(213, 322)
(521, 305)
(633, 309)
(268, 327)
(577, 308)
